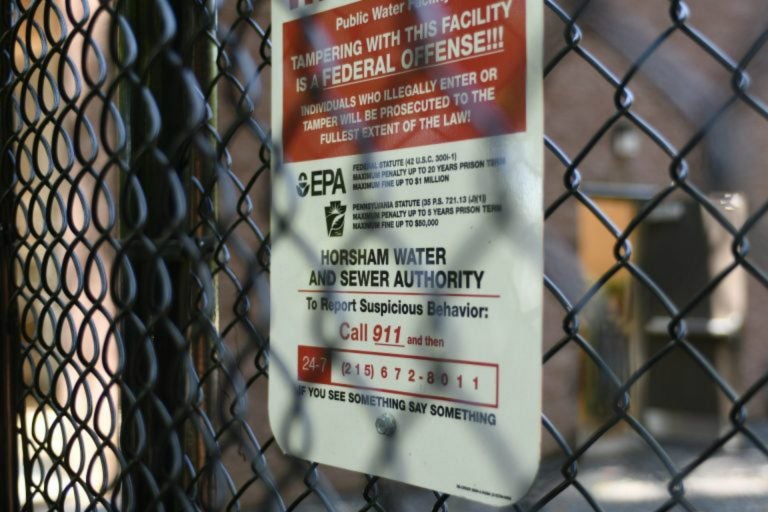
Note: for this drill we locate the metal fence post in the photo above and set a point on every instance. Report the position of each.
(202, 18)
(9, 339)
(191, 164)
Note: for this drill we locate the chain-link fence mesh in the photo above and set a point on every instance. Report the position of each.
(134, 237)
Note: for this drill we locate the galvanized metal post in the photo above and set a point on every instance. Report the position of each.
(10, 373)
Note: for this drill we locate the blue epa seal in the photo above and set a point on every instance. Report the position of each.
(302, 187)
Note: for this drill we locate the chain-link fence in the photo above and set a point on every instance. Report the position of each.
(135, 253)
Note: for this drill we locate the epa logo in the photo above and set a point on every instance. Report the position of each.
(321, 183)
(303, 187)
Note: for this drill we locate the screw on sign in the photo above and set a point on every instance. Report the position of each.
(406, 148)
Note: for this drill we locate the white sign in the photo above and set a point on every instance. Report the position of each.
(407, 240)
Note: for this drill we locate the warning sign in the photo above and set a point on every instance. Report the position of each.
(392, 75)
(407, 240)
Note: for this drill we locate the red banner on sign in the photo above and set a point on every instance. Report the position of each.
(379, 75)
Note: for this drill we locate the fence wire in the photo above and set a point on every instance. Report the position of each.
(134, 246)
